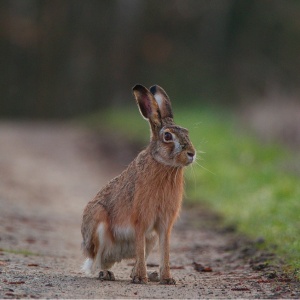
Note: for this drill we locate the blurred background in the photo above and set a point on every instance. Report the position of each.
(62, 58)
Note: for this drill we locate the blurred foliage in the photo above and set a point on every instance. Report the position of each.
(64, 57)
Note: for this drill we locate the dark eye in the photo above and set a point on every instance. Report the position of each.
(168, 136)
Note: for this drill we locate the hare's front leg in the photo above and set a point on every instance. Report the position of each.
(164, 247)
(139, 272)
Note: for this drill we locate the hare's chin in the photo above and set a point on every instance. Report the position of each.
(188, 162)
(191, 160)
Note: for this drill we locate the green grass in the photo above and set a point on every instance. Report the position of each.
(20, 251)
(246, 181)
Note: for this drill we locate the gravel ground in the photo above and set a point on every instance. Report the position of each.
(48, 172)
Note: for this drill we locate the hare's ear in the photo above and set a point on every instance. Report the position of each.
(163, 101)
(148, 106)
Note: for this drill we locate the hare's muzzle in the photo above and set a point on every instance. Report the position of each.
(191, 156)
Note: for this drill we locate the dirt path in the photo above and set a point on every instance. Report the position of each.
(48, 172)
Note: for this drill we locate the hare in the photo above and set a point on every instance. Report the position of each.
(140, 206)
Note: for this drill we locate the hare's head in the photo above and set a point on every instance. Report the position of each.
(170, 144)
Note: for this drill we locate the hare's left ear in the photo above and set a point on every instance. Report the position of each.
(148, 107)
(163, 101)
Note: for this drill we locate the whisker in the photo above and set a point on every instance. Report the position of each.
(194, 175)
(200, 151)
(200, 158)
(197, 124)
(204, 168)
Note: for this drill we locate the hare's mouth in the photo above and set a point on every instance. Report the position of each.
(191, 157)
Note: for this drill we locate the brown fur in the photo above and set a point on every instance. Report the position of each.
(145, 198)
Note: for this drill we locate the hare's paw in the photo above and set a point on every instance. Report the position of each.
(139, 280)
(153, 276)
(168, 281)
(106, 275)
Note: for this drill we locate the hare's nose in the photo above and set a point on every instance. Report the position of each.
(191, 156)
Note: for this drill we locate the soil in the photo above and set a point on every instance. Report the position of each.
(49, 171)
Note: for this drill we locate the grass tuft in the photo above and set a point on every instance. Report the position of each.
(19, 251)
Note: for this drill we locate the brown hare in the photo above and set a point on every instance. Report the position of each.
(139, 206)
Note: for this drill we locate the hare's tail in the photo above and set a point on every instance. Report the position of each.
(88, 266)
(92, 264)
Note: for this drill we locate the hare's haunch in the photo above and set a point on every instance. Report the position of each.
(133, 210)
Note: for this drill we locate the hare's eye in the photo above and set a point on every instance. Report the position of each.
(168, 136)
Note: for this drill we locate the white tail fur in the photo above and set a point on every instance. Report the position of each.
(87, 266)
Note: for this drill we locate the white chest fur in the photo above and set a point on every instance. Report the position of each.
(124, 233)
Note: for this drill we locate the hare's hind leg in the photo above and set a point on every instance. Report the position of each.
(105, 274)
(105, 242)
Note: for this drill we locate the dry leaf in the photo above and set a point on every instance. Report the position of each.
(16, 282)
(151, 265)
(177, 267)
(201, 268)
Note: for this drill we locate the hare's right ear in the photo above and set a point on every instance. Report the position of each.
(148, 107)
(163, 102)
